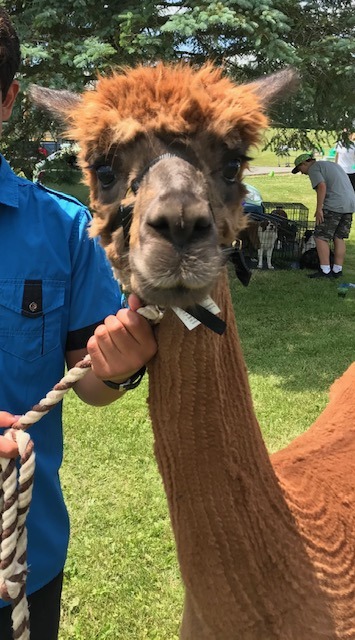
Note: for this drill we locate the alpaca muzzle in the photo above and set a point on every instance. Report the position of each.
(196, 223)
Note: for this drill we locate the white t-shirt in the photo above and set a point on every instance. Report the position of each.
(346, 157)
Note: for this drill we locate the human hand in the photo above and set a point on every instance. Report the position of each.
(122, 345)
(319, 216)
(8, 448)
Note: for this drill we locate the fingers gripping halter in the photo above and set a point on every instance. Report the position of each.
(16, 482)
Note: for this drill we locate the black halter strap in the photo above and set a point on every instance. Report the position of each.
(135, 184)
(124, 220)
(206, 317)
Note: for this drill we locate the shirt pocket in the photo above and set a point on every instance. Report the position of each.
(31, 313)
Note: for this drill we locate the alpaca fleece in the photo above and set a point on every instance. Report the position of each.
(266, 546)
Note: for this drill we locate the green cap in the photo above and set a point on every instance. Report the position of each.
(301, 158)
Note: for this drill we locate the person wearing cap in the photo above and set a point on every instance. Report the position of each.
(334, 210)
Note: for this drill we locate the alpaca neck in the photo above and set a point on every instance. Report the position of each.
(223, 495)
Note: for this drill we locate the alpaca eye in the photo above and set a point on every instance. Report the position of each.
(105, 175)
(231, 170)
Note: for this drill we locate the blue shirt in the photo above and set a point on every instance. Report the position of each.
(56, 286)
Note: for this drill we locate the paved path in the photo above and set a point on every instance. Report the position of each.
(260, 171)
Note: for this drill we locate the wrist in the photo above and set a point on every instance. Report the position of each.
(130, 383)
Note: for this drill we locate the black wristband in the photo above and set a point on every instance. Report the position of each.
(131, 383)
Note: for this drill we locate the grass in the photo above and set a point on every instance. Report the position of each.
(79, 191)
(269, 158)
(121, 578)
(285, 188)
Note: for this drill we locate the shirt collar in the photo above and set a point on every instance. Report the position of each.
(8, 184)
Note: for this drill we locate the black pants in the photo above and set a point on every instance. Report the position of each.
(44, 606)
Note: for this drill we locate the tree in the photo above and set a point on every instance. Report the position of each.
(322, 34)
(66, 42)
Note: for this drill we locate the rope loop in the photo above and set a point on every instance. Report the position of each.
(16, 484)
(16, 493)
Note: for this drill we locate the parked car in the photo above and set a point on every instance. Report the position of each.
(253, 202)
(49, 146)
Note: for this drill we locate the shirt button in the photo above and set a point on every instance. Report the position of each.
(33, 306)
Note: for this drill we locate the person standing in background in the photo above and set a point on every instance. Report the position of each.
(345, 157)
(334, 211)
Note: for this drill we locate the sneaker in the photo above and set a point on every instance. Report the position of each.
(321, 274)
(337, 275)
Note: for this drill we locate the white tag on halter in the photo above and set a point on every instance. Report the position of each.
(210, 305)
(189, 321)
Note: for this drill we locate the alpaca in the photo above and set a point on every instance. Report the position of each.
(266, 546)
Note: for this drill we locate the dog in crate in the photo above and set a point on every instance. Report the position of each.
(267, 234)
(308, 241)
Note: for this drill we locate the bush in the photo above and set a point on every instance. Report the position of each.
(60, 166)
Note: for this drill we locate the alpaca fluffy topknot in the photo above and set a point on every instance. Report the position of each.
(174, 99)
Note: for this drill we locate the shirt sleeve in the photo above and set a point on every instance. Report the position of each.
(315, 175)
(95, 293)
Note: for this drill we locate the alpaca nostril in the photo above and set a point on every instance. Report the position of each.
(181, 230)
(202, 228)
(160, 224)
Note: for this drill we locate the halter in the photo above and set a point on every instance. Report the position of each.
(124, 219)
(124, 214)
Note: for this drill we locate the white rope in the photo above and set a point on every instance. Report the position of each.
(15, 498)
(151, 312)
(16, 493)
(55, 395)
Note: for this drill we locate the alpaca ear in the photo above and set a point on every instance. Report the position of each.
(276, 86)
(56, 102)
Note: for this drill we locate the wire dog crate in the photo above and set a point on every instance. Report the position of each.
(291, 220)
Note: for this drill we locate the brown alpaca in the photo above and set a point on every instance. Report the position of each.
(266, 546)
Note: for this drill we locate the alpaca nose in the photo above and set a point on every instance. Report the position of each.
(181, 221)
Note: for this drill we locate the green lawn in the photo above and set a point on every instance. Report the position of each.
(121, 578)
(285, 188)
(79, 191)
(268, 158)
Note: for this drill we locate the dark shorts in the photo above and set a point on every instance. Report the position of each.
(334, 225)
(44, 607)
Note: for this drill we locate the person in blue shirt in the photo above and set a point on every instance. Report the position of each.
(58, 302)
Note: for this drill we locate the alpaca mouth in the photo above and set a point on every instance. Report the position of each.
(170, 292)
(179, 296)
(170, 278)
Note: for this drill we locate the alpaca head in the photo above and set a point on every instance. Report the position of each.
(163, 150)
